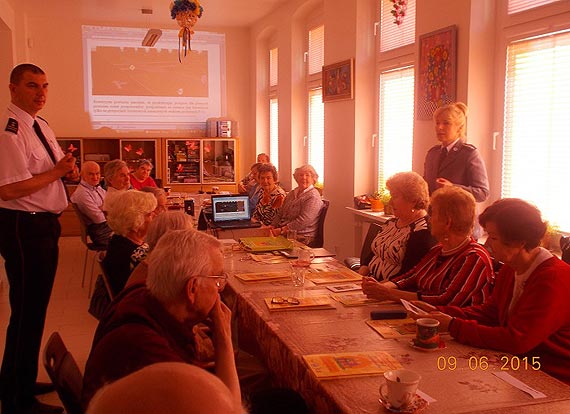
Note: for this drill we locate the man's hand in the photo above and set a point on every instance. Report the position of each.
(73, 175)
(65, 165)
(221, 317)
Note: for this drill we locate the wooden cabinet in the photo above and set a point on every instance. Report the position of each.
(204, 161)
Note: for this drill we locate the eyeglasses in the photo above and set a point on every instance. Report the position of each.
(282, 301)
(221, 280)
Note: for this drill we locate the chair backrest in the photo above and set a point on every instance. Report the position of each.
(64, 373)
(565, 248)
(82, 224)
(319, 239)
(366, 250)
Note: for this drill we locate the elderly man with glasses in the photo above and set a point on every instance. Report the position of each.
(156, 322)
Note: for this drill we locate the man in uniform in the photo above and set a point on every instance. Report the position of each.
(32, 196)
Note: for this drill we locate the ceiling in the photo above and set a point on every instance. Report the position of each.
(217, 13)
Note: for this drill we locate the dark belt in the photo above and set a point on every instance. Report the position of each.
(30, 213)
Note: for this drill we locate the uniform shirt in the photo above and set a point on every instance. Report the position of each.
(89, 200)
(22, 155)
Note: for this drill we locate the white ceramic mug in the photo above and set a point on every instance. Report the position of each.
(400, 388)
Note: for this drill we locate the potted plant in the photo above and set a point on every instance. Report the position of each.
(379, 200)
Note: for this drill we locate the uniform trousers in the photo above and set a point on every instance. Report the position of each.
(29, 246)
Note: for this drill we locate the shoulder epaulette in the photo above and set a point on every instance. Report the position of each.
(43, 119)
(470, 146)
(12, 126)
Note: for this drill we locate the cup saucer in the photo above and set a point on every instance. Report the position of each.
(417, 405)
(441, 345)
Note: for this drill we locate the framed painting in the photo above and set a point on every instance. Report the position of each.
(437, 70)
(338, 81)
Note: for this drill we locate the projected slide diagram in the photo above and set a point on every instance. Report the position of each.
(131, 87)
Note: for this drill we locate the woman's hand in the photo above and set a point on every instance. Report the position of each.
(375, 290)
(443, 318)
(364, 270)
(442, 182)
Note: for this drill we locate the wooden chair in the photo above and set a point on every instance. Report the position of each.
(89, 246)
(354, 263)
(319, 239)
(64, 373)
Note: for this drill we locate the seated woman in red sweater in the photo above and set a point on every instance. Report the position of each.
(528, 313)
(456, 271)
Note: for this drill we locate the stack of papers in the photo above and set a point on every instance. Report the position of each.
(265, 244)
(351, 364)
(260, 277)
(394, 328)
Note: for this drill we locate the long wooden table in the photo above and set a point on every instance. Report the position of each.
(281, 338)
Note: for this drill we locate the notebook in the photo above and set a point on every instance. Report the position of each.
(232, 212)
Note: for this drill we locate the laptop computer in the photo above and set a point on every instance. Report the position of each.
(232, 212)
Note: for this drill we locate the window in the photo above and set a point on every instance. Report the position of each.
(395, 71)
(316, 141)
(392, 35)
(274, 132)
(273, 108)
(316, 109)
(536, 144)
(516, 6)
(396, 127)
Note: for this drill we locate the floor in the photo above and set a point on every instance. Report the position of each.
(67, 312)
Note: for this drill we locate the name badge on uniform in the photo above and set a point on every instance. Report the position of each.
(12, 126)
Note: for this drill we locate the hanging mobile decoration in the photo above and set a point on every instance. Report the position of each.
(186, 13)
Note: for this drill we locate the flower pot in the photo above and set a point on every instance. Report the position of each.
(376, 205)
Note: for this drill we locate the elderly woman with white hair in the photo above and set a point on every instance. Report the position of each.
(162, 224)
(129, 214)
(301, 207)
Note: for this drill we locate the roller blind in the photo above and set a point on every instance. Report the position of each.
(536, 144)
(515, 6)
(392, 35)
(396, 122)
(316, 141)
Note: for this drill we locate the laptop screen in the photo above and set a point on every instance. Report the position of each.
(230, 207)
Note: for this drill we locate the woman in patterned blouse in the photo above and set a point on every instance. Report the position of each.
(271, 196)
(406, 238)
(457, 271)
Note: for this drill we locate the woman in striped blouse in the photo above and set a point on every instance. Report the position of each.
(456, 271)
(405, 239)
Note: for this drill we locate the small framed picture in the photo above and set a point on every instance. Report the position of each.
(338, 81)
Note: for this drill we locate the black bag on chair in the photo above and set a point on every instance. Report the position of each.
(100, 299)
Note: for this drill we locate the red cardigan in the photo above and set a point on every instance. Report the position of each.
(538, 325)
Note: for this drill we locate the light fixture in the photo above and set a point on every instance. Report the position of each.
(151, 37)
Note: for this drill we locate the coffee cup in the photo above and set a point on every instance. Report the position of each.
(427, 334)
(399, 390)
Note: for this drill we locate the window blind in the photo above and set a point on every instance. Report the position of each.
(316, 141)
(392, 35)
(273, 66)
(396, 122)
(516, 6)
(536, 145)
(274, 132)
(316, 50)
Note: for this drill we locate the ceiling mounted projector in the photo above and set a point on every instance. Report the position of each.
(151, 37)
